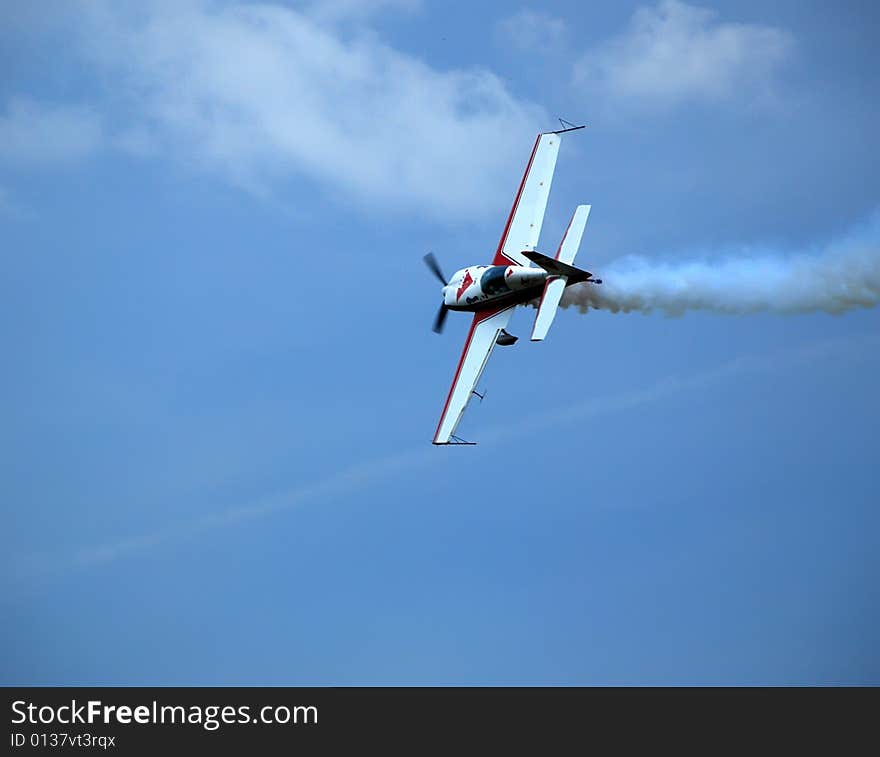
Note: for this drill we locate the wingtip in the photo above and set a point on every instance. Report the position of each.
(570, 128)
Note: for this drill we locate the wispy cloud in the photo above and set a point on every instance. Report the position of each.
(335, 11)
(674, 52)
(39, 133)
(529, 30)
(261, 94)
(360, 476)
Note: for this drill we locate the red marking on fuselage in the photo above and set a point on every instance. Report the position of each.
(465, 283)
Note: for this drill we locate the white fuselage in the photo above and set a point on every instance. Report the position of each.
(481, 286)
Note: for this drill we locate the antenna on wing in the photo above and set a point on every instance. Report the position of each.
(568, 126)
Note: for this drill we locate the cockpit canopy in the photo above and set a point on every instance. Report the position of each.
(493, 281)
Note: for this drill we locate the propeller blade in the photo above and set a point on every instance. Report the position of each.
(432, 263)
(440, 319)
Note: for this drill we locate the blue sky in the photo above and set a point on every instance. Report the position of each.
(220, 381)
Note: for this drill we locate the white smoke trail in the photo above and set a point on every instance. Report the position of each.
(843, 276)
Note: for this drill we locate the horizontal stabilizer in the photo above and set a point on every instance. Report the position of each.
(571, 241)
(553, 290)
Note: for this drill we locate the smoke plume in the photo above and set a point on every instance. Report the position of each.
(843, 276)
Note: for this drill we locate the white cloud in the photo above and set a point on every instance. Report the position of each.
(528, 30)
(674, 52)
(346, 10)
(260, 93)
(42, 133)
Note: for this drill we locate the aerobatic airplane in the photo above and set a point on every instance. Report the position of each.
(492, 292)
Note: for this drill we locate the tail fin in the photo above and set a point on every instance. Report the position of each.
(562, 273)
(574, 275)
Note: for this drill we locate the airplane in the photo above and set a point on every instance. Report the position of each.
(492, 292)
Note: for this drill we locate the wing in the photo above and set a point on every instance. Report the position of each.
(480, 341)
(527, 214)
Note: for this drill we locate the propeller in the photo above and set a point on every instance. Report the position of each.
(441, 318)
(432, 263)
